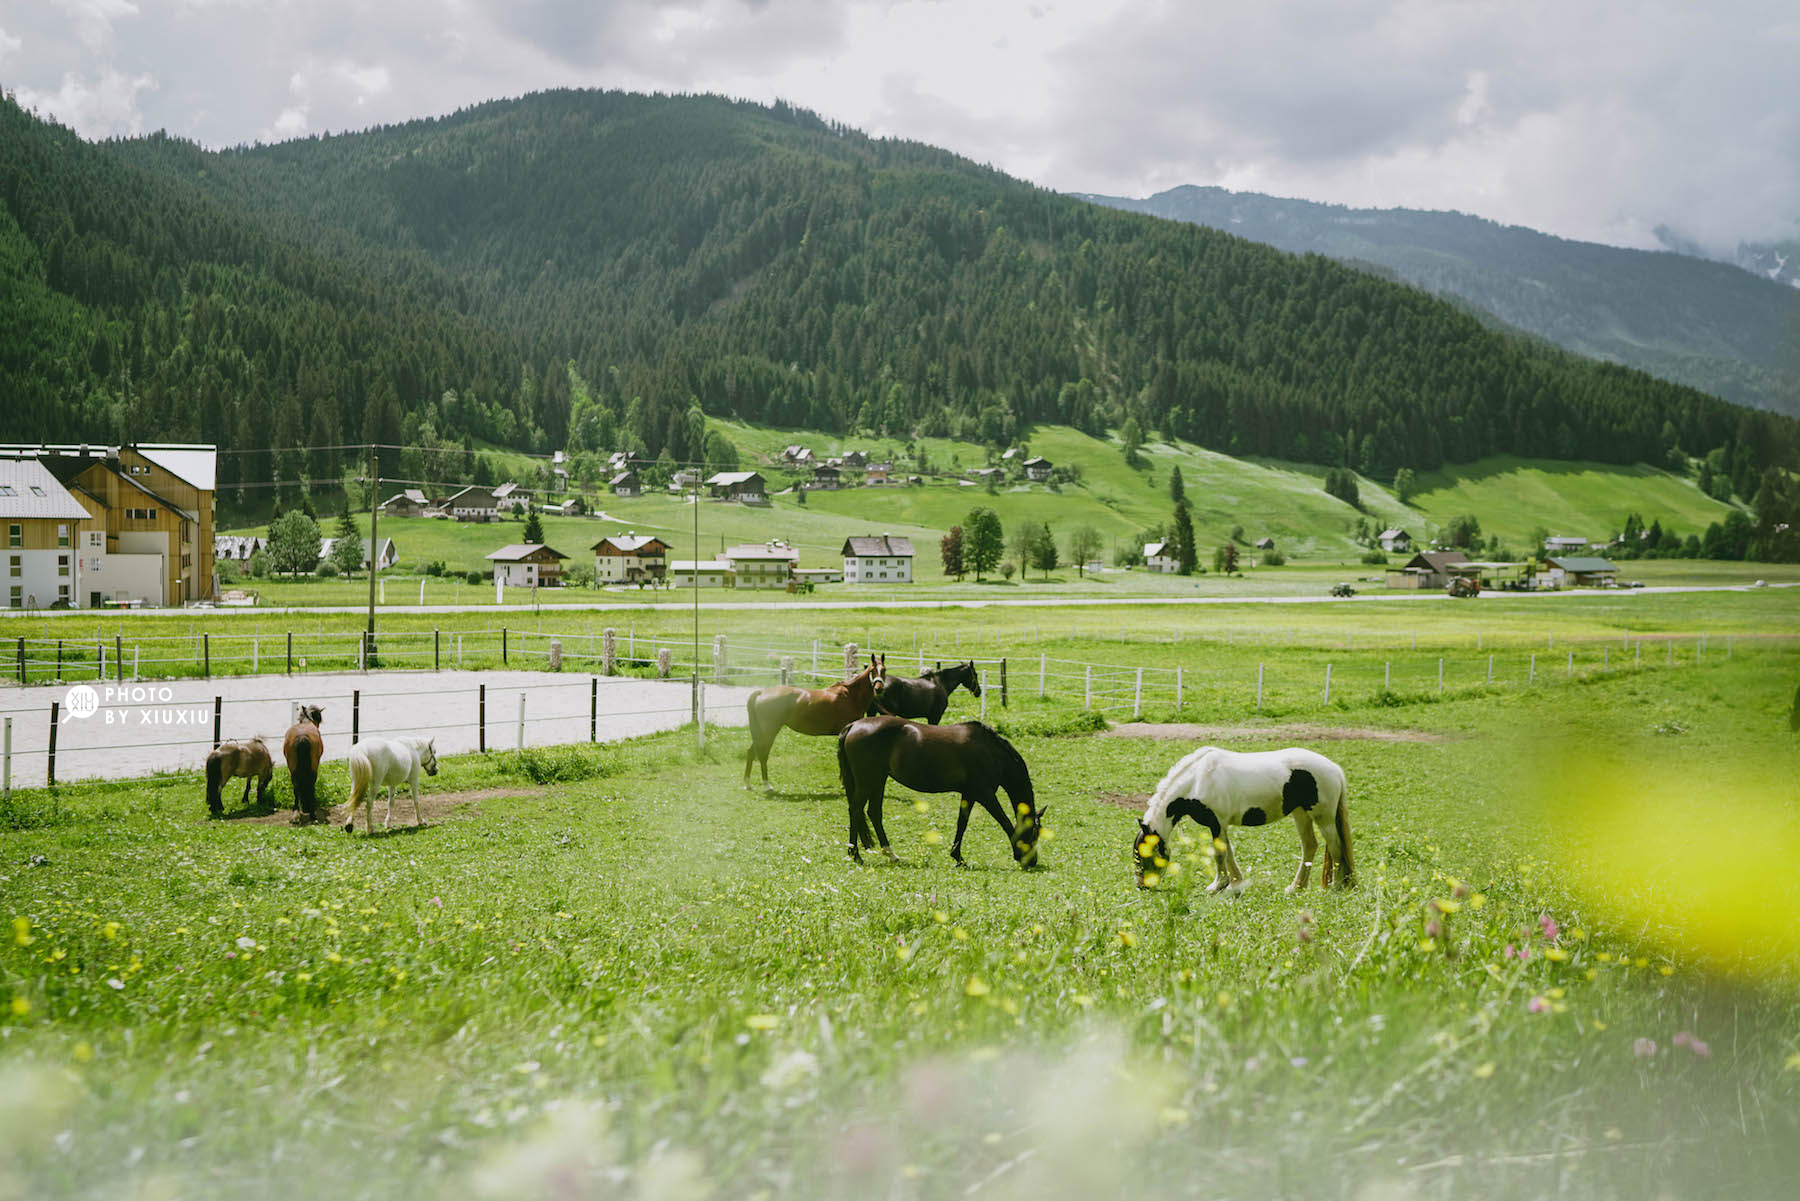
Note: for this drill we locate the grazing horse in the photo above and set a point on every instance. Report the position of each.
(303, 748)
(1219, 789)
(968, 758)
(229, 760)
(928, 695)
(805, 711)
(377, 763)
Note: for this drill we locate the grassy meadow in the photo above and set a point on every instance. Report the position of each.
(610, 972)
(1281, 500)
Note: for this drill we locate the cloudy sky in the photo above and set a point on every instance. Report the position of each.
(1587, 118)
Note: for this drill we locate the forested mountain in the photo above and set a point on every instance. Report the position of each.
(1692, 320)
(579, 269)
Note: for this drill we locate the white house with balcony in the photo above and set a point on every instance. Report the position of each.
(878, 560)
(1160, 556)
(763, 565)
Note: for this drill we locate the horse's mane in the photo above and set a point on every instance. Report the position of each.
(1158, 806)
(997, 743)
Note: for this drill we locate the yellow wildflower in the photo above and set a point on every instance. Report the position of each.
(22, 936)
(762, 1021)
(1483, 1071)
(932, 837)
(975, 988)
(84, 1051)
(1555, 954)
(20, 1007)
(1127, 938)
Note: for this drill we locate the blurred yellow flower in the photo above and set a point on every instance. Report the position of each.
(921, 806)
(20, 1007)
(762, 1021)
(1555, 954)
(1224, 1000)
(1447, 905)
(22, 932)
(1127, 938)
(1172, 1115)
(84, 1051)
(960, 934)
(1483, 1071)
(1793, 1063)
(932, 837)
(1666, 970)
(975, 988)
(110, 931)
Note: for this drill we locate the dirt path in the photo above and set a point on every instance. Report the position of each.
(435, 807)
(1296, 731)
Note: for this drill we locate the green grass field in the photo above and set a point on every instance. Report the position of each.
(610, 972)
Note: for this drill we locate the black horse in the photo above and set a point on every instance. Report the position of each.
(928, 695)
(967, 758)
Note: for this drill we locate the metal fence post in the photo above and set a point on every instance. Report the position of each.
(290, 652)
(437, 650)
(593, 708)
(1440, 673)
(1571, 663)
(481, 718)
(1387, 676)
(1003, 683)
(1606, 658)
(521, 745)
(1137, 696)
(1531, 675)
(503, 646)
(218, 718)
(1178, 689)
(355, 715)
(984, 694)
(59, 667)
(1087, 687)
(1041, 662)
(6, 760)
(1328, 683)
(1490, 669)
(206, 656)
(21, 659)
(55, 716)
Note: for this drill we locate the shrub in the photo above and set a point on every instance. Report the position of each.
(1274, 558)
(327, 570)
(435, 567)
(476, 577)
(1376, 558)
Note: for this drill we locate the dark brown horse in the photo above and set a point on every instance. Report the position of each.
(804, 711)
(304, 747)
(229, 760)
(926, 696)
(968, 758)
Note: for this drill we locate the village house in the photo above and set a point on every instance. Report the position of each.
(1580, 571)
(527, 565)
(47, 531)
(1394, 540)
(856, 459)
(684, 480)
(510, 498)
(984, 474)
(625, 484)
(1265, 543)
(410, 503)
(630, 558)
(389, 556)
(798, 456)
(882, 560)
(762, 565)
(1037, 469)
(474, 503)
(568, 507)
(237, 547)
(878, 473)
(1427, 569)
(1564, 545)
(746, 487)
(825, 478)
(701, 573)
(1160, 556)
(146, 522)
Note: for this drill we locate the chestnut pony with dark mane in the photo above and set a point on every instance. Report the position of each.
(304, 747)
(816, 711)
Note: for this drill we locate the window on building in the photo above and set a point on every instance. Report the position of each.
(96, 540)
(7, 490)
(18, 597)
(15, 534)
(62, 565)
(62, 592)
(62, 535)
(15, 567)
(36, 491)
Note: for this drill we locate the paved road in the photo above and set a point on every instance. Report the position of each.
(889, 602)
(167, 725)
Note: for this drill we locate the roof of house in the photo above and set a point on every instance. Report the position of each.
(1037, 462)
(27, 489)
(325, 545)
(822, 468)
(624, 477)
(1582, 563)
(1011, 452)
(630, 542)
(1437, 560)
(519, 551)
(483, 493)
(727, 478)
(1565, 540)
(1152, 549)
(510, 489)
(410, 495)
(702, 564)
(1265, 543)
(1394, 532)
(886, 544)
(198, 465)
(762, 550)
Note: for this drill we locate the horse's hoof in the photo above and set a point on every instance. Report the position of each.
(768, 787)
(350, 826)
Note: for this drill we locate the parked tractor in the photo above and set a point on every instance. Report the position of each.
(1464, 585)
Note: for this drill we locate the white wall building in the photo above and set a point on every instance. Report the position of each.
(763, 565)
(708, 573)
(882, 560)
(1160, 556)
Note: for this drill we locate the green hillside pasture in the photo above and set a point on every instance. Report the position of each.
(1512, 497)
(615, 966)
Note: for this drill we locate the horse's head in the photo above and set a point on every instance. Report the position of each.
(971, 679)
(312, 713)
(1028, 831)
(1149, 855)
(428, 756)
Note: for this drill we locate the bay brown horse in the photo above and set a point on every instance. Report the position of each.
(304, 747)
(249, 759)
(927, 696)
(804, 711)
(969, 758)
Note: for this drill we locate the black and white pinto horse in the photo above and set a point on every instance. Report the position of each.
(1220, 789)
(926, 696)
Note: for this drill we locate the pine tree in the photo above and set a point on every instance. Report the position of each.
(950, 550)
(1181, 533)
(534, 530)
(1177, 490)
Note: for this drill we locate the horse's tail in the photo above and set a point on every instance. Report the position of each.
(750, 712)
(215, 780)
(845, 775)
(361, 771)
(1346, 863)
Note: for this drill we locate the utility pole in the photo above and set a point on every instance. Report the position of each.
(699, 699)
(374, 546)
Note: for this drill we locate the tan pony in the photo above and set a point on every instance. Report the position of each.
(818, 711)
(249, 759)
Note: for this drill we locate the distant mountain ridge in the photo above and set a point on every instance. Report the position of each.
(1728, 330)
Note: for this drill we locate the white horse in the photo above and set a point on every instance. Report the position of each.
(377, 763)
(1220, 789)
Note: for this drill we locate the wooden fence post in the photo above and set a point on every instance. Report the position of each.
(218, 717)
(481, 718)
(206, 656)
(593, 708)
(55, 717)
(1328, 683)
(355, 715)
(1003, 683)
(290, 652)
(1041, 662)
